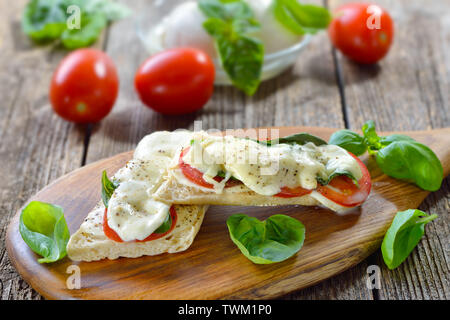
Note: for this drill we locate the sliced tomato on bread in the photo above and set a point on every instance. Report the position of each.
(111, 234)
(343, 190)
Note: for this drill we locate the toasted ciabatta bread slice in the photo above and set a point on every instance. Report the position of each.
(203, 172)
(131, 199)
(172, 191)
(90, 243)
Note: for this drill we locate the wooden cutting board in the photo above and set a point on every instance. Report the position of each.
(213, 266)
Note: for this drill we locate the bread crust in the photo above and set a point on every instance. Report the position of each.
(90, 243)
(174, 192)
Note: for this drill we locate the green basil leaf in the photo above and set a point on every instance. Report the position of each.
(44, 20)
(298, 138)
(411, 161)
(385, 141)
(350, 141)
(371, 137)
(337, 172)
(242, 59)
(225, 10)
(403, 235)
(108, 188)
(276, 239)
(230, 23)
(301, 18)
(44, 229)
(111, 10)
(90, 29)
(165, 226)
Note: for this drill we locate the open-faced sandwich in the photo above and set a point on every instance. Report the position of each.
(129, 222)
(299, 169)
(156, 203)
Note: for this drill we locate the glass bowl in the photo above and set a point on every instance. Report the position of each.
(274, 63)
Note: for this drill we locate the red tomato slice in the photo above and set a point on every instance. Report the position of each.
(196, 176)
(111, 234)
(287, 192)
(343, 191)
(340, 190)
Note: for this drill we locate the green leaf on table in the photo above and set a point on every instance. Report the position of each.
(411, 161)
(403, 235)
(44, 229)
(275, 239)
(397, 155)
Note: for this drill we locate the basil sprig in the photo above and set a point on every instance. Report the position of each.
(47, 20)
(108, 188)
(397, 155)
(231, 23)
(301, 18)
(403, 235)
(44, 229)
(276, 239)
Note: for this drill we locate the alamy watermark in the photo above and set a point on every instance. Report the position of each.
(373, 277)
(250, 153)
(74, 280)
(374, 20)
(74, 20)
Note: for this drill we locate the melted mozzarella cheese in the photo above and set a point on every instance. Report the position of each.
(266, 169)
(132, 212)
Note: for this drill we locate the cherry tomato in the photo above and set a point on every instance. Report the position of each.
(362, 32)
(176, 81)
(84, 87)
(343, 191)
(111, 234)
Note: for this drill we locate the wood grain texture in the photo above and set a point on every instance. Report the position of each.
(409, 90)
(205, 271)
(36, 146)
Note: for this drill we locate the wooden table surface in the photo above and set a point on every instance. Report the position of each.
(408, 90)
